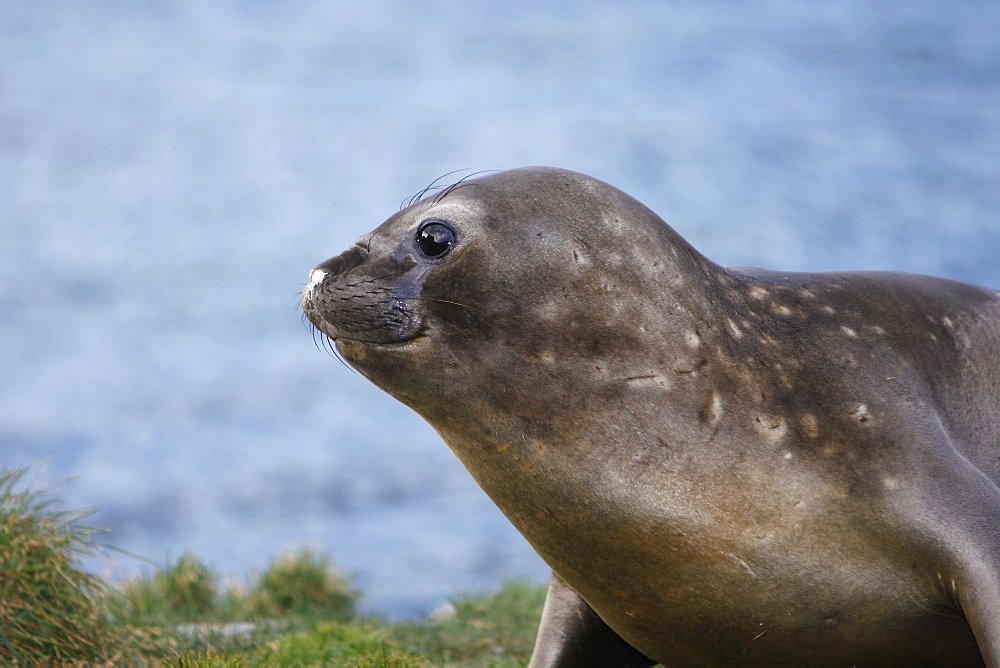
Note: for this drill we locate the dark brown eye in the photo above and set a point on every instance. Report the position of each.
(435, 238)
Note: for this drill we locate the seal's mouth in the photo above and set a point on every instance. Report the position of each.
(358, 338)
(395, 346)
(358, 319)
(360, 307)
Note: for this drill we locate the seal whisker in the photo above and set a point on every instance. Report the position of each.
(431, 186)
(771, 626)
(453, 326)
(457, 361)
(441, 301)
(450, 190)
(458, 184)
(325, 343)
(333, 350)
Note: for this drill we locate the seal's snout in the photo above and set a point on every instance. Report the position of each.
(347, 297)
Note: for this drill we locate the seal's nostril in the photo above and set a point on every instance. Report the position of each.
(332, 266)
(339, 264)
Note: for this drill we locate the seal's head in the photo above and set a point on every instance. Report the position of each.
(452, 294)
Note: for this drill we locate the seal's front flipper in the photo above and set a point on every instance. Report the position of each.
(571, 634)
(982, 611)
(967, 528)
(974, 582)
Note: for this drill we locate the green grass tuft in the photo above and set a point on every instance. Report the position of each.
(50, 610)
(183, 592)
(303, 583)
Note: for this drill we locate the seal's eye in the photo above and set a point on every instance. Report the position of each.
(435, 238)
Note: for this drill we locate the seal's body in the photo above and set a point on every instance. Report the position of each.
(721, 466)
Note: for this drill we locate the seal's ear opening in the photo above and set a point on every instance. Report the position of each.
(435, 238)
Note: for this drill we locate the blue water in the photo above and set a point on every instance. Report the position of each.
(170, 170)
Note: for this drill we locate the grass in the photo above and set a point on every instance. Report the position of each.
(299, 611)
(50, 610)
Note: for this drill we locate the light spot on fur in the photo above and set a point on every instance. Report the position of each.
(848, 331)
(787, 455)
(782, 310)
(734, 328)
(711, 410)
(774, 428)
(783, 377)
(831, 448)
(861, 415)
(847, 361)
(758, 292)
(692, 338)
(829, 310)
(809, 425)
(878, 330)
(552, 310)
(890, 483)
(545, 357)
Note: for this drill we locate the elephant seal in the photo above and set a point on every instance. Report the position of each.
(722, 466)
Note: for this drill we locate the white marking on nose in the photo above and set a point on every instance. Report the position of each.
(316, 277)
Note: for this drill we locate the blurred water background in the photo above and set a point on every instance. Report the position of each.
(171, 169)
